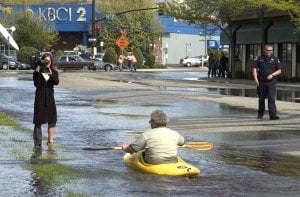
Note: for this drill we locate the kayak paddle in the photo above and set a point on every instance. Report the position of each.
(198, 145)
(192, 145)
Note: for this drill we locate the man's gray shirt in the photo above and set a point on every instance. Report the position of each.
(160, 145)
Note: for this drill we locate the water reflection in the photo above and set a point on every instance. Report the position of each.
(43, 176)
(262, 160)
(283, 95)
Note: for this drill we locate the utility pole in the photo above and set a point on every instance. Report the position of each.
(93, 26)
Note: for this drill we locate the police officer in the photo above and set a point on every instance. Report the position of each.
(265, 71)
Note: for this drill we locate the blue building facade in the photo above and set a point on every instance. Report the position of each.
(73, 22)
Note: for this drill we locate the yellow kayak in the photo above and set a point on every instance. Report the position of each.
(181, 168)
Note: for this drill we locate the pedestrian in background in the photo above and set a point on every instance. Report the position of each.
(132, 62)
(222, 67)
(213, 65)
(265, 71)
(121, 59)
(44, 78)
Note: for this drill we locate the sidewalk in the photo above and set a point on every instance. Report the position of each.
(251, 82)
(220, 80)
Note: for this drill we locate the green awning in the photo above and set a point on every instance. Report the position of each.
(251, 33)
(223, 38)
(282, 32)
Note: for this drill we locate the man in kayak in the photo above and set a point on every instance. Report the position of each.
(159, 144)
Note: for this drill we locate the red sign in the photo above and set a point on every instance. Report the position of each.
(122, 42)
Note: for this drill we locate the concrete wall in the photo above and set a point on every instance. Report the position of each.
(176, 46)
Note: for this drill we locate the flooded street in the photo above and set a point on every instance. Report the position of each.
(250, 157)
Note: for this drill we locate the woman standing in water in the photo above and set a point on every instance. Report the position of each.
(44, 78)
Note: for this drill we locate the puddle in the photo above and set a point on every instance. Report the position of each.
(241, 164)
(282, 95)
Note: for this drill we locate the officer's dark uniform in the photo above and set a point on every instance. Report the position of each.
(267, 88)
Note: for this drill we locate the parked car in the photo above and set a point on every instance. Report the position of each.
(5, 61)
(73, 62)
(23, 66)
(193, 61)
(100, 65)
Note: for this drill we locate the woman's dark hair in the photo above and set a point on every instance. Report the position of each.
(51, 58)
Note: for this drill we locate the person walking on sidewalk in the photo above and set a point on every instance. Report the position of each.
(121, 59)
(44, 78)
(265, 71)
(132, 62)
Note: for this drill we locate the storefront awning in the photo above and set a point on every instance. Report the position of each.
(223, 38)
(7, 38)
(251, 33)
(282, 32)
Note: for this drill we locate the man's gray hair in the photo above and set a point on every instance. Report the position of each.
(159, 118)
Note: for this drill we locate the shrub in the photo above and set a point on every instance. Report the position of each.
(150, 60)
(139, 58)
(282, 78)
(110, 56)
(25, 53)
(239, 74)
(58, 53)
(159, 66)
(295, 79)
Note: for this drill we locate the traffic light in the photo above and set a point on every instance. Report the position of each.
(98, 28)
(161, 8)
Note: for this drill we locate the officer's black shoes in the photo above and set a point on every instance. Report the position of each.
(274, 117)
(259, 116)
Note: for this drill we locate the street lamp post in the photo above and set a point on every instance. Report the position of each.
(187, 48)
(205, 42)
(11, 29)
(205, 45)
(8, 54)
(93, 27)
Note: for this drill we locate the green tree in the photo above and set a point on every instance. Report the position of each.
(31, 31)
(141, 26)
(219, 13)
(25, 54)
(223, 13)
(291, 7)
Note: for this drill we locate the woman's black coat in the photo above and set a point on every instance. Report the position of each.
(44, 103)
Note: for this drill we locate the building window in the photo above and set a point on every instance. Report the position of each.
(285, 52)
(238, 53)
(251, 52)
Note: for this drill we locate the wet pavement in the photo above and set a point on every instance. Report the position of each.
(250, 157)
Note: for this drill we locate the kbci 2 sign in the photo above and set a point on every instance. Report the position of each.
(65, 17)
